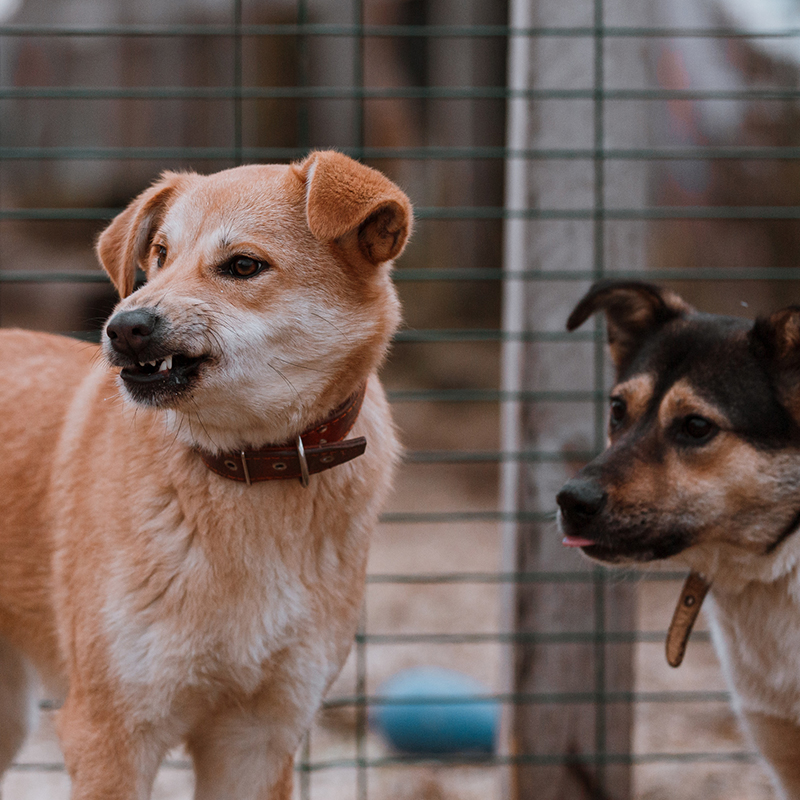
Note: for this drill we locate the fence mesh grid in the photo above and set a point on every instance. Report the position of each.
(370, 87)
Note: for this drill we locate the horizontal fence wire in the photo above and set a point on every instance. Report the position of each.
(492, 214)
(456, 275)
(443, 214)
(365, 31)
(58, 153)
(471, 760)
(386, 93)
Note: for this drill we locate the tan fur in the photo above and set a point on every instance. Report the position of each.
(637, 393)
(172, 605)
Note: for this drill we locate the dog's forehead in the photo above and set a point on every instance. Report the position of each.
(236, 204)
(707, 346)
(709, 358)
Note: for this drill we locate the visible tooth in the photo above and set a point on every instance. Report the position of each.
(168, 362)
(163, 367)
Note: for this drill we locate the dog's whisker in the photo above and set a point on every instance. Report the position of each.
(296, 365)
(205, 430)
(218, 341)
(173, 431)
(284, 378)
(343, 334)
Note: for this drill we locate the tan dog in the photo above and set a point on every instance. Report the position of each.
(174, 604)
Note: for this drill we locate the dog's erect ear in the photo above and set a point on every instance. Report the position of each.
(355, 205)
(633, 311)
(775, 342)
(776, 339)
(124, 244)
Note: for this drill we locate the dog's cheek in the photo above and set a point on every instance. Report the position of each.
(738, 496)
(764, 500)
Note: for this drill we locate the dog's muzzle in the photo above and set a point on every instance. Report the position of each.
(154, 370)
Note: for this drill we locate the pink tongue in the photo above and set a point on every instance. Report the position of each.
(576, 541)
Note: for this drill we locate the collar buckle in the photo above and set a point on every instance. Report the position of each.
(301, 455)
(246, 471)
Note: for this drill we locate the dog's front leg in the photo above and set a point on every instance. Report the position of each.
(106, 758)
(245, 750)
(778, 740)
(240, 755)
(241, 770)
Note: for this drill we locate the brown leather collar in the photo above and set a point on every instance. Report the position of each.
(316, 450)
(692, 596)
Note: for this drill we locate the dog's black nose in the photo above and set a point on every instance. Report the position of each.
(130, 332)
(580, 500)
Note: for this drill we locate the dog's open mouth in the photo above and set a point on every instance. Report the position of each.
(175, 368)
(161, 381)
(635, 547)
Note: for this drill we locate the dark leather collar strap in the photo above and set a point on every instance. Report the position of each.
(314, 451)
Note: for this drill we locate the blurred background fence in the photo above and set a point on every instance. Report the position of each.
(544, 144)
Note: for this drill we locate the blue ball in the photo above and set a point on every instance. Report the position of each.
(430, 719)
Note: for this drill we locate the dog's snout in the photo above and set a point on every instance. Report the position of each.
(580, 500)
(130, 332)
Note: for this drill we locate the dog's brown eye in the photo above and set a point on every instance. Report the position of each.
(618, 410)
(244, 267)
(161, 255)
(697, 429)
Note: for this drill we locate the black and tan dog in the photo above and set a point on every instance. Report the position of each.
(703, 468)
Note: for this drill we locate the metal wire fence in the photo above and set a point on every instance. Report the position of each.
(422, 90)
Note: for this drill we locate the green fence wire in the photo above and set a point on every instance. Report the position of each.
(22, 153)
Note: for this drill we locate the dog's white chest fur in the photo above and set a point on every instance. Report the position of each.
(756, 633)
(164, 640)
(240, 630)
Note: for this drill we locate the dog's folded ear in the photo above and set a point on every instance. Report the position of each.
(354, 205)
(633, 311)
(123, 246)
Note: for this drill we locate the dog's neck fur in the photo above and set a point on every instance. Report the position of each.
(740, 584)
(731, 569)
(259, 424)
(319, 448)
(759, 659)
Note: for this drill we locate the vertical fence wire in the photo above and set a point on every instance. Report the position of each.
(238, 69)
(362, 750)
(598, 269)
